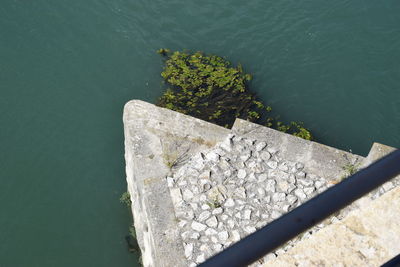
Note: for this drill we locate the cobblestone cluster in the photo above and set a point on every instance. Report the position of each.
(232, 190)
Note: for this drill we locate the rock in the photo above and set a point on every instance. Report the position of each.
(204, 215)
(272, 164)
(212, 156)
(224, 217)
(260, 146)
(187, 195)
(217, 247)
(195, 235)
(205, 175)
(260, 192)
(231, 224)
(300, 193)
(270, 186)
(301, 174)
(265, 155)
(235, 235)
(212, 222)
(170, 181)
(182, 223)
(223, 236)
(198, 226)
(319, 184)
(250, 229)
(214, 239)
(217, 211)
(278, 197)
(387, 186)
(200, 258)
(299, 166)
(247, 214)
(275, 214)
(188, 250)
(283, 186)
(307, 182)
(308, 190)
(262, 177)
(241, 174)
(291, 199)
(229, 203)
(210, 231)
(240, 192)
(245, 156)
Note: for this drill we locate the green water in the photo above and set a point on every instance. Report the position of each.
(68, 67)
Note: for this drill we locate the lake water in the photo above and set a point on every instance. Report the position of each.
(68, 67)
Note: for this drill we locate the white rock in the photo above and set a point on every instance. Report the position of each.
(299, 166)
(223, 236)
(307, 182)
(182, 223)
(192, 264)
(241, 174)
(265, 155)
(319, 184)
(204, 215)
(185, 235)
(300, 193)
(195, 235)
(170, 181)
(214, 239)
(260, 192)
(204, 248)
(200, 258)
(231, 224)
(275, 214)
(301, 174)
(309, 190)
(188, 250)
(224, 217)
(291, 199)
(205, 175)
(238, 215)
(187, 195)
(270, 185)
(387, 186)
(212, 156)
(229, 203)
(260, 146)
(245, 156)
(247, 214)
(205, 207)
(283, 185)
(217, 211)
(272, 164)
(250, 229)
(203, 198)
(198, 226)
(235, 235)
(217, 247)
(212, 222)
(277, 197)
(210, 231)
(267, 199)
(227, 144)
(240, 192)
(262, 177)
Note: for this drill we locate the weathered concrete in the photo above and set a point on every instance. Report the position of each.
(155, 140)
(369, 236)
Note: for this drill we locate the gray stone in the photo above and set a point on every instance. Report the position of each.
(229, 203)
(241, 174)
(300, 193)
(217, 211)
(265, 155)
(260, 146)
(262, 177)
(235, 235)
(187, 195)
(272, 164)
(210, 231)
(270, 186)
(204, 215)
(223, 236)
(200, 258)
(198, 226)
(189, 250)
(212, 222)
(277, 197)
(247, 214)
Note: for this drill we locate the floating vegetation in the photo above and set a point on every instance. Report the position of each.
(208, 87)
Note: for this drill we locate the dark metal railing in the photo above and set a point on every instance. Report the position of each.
(275, 234)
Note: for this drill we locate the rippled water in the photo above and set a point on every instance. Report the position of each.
(68, 67)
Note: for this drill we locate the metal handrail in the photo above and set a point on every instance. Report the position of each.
(288, 226)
